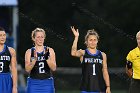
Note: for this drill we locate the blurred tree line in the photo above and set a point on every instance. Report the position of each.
(116, 21)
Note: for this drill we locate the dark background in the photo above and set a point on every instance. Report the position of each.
(116, 21)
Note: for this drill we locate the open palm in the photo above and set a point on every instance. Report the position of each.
(75, 31)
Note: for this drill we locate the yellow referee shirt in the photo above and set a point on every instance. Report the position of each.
(134, 57)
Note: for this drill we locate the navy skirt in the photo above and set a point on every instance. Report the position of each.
(40, 86)
(5, 83)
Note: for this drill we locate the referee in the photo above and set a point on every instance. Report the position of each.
(133, 67)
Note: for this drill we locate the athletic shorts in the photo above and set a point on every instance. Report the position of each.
(134, 86)
(5, 83)
(40, 86)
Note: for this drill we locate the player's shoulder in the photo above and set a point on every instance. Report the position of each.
(50, 48)
(28, 51)
(82, 51)
(103, 53)
(12, 50)
(134, 50)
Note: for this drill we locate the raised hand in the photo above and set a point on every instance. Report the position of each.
(75, 31)
(47, 54)
(35, 54)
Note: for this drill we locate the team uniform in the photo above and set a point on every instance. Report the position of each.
(5, 76)
(92, 76)
(134, 57)
(40, 79)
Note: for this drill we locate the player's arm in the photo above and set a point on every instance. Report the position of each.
(129, 70)
(74, 51)
(13, 69)
(51, 60)
(29, 63)
(105, 73)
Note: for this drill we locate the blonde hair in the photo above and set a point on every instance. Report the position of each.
(91, 32)
(137, 34)
(37, 30)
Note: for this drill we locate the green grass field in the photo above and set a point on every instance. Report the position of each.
(72, 91)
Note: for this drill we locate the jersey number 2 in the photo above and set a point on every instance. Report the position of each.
(1, 66)
(41, 67)
(94, 70)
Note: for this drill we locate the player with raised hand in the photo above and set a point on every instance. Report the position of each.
(95, 78)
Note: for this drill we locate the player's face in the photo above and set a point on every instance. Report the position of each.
(138, 39)
(92, 42)
(39, 38)
(2, 37)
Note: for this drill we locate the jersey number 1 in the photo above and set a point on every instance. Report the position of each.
(94, 70)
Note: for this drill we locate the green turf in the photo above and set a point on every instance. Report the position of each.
(72, 91)
(66, 91)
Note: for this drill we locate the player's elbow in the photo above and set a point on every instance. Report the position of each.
(54, 67)
(73, 53)
(27, 69)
